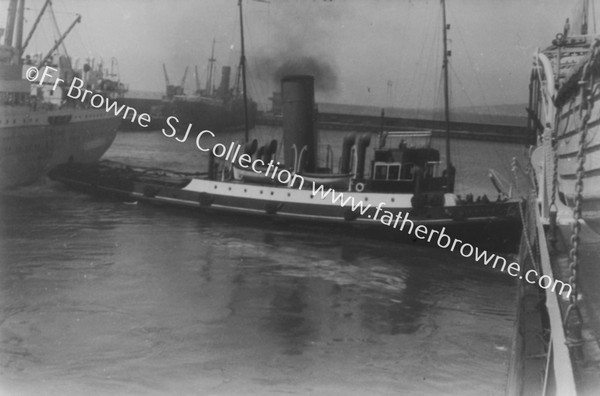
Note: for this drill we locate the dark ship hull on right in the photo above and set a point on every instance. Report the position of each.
(220, 110)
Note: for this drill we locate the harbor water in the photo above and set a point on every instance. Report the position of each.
(100, 296)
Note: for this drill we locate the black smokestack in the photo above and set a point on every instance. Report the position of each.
(298, 100)
(225, 77)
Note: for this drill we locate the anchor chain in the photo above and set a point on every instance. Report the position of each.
(553, 210)
(573, 326)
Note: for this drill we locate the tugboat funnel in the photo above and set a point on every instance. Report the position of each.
(298, 102)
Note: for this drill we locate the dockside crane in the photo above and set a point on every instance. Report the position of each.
(183, 79)
(166, 75)
(197, 80)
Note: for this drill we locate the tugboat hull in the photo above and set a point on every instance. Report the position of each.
(490, 225)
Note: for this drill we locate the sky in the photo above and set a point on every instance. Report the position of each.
(384, 53)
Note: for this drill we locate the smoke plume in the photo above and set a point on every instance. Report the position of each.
(299, 43)
(275, 68)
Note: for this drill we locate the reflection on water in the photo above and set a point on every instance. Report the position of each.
(103, 297)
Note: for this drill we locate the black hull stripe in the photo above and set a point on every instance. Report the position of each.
(587, 150)
(586, 174)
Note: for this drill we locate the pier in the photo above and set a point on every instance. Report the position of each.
(330, 119)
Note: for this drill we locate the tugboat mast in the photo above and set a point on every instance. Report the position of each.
(211, 63)
(449, 169)
(243, 67)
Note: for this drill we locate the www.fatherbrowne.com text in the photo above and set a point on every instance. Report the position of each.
(401, 221)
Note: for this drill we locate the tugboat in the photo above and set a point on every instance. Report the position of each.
(405, 188)
(405, 184)
(39, 127)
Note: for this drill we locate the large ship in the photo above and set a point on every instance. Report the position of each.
(215, 109)
(218, 109)
(564, 110)
(40, 127)
(557, 342)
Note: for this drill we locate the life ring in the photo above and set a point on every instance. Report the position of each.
(560, 38)
(359, 187)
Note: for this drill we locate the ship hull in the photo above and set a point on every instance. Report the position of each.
(568, 141)
(561, 113)
(33, 142)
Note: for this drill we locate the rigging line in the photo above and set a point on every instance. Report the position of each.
(495, 147)
(85, 47)
(477, 79)
(415, 66)
(434, 62)
(594, 14)
(251, 80)
(255, 85)
(57, 28)
(80, 39)
(260, 88)
(438, 108)
(404, 63)
(89, 44)
(423, 60)
(455, 149)
(232, 52)
(431, 61)
(462, 88)
(50, 35)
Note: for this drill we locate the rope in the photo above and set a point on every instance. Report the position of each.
(58, 29)
(553, 208)
(524, 221)
(574, 339)
(527, 241)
